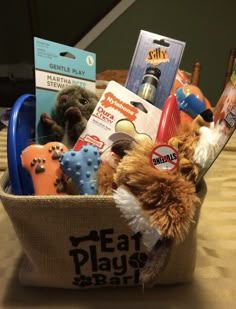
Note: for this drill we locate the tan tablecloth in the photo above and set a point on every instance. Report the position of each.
(215, 276)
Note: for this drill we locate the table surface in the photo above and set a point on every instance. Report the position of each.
(214, 284)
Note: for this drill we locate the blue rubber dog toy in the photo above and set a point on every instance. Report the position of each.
(81, 167)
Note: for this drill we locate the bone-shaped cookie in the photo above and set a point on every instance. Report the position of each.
(81, 167)
(42, 162)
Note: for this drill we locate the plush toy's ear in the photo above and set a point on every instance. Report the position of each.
(120, 147)
(204, 119)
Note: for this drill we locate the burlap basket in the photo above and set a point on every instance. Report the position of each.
(82, 242)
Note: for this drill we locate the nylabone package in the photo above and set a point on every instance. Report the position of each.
(56, 67)
(158, 51)
(118, 114)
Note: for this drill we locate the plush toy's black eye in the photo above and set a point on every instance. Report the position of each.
(83, 101)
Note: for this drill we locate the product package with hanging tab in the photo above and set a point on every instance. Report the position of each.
(154, 65)
(58, 66)
(119, 114)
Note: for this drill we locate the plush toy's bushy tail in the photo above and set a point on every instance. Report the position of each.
(156, 263)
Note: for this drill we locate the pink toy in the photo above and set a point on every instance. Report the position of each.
(170, 120)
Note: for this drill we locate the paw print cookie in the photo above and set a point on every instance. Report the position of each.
(42, 162)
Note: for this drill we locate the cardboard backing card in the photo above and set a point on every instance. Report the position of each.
(158, 51)
(118, 114)
(56, 67)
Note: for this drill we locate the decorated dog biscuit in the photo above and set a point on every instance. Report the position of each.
(42, 162)
(81, 167)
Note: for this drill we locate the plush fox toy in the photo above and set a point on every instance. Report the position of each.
(158, 203)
